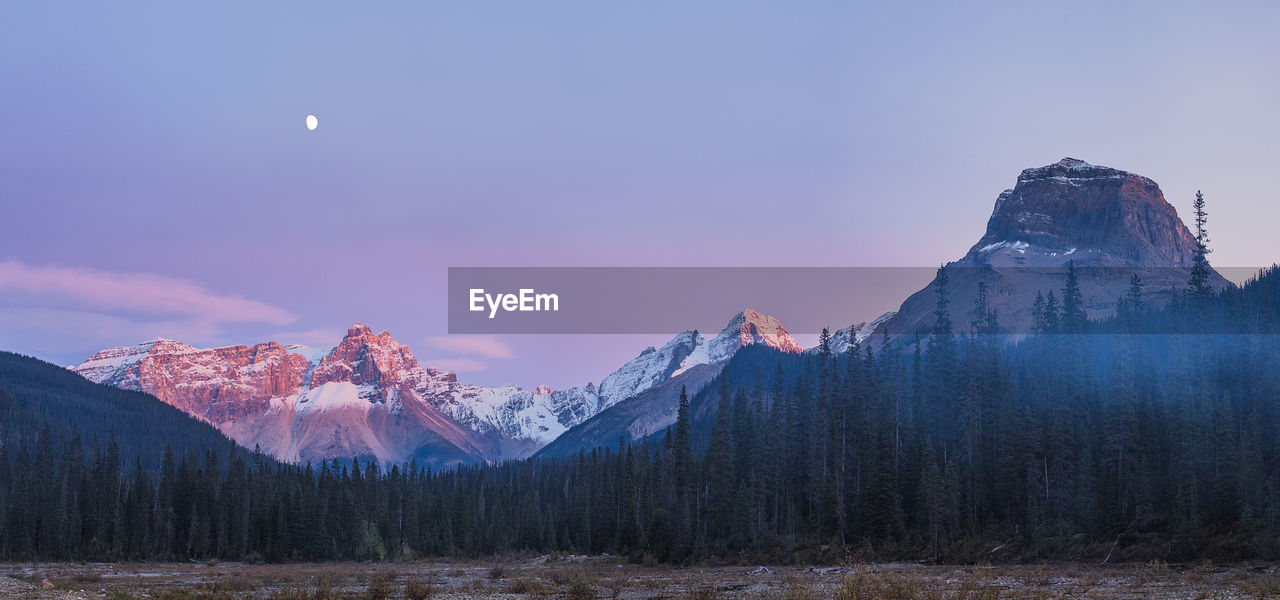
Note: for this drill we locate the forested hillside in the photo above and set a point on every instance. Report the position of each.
(36, 395)
(1086, 441)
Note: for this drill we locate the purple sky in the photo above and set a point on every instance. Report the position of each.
(156, 177)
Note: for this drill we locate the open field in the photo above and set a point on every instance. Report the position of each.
(579, 578)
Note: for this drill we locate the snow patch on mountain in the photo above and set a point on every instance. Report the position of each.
(334, 395)
(314, 355)
(511, 412)
(690, 349)
(651, 367)
(289, 398)
(842, 339)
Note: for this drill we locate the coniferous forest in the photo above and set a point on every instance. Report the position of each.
(1090, 440)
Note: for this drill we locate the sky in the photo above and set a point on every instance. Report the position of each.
(156, 177)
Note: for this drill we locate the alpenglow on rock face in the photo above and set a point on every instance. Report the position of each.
(369, 397)
(366, 397)
(1074, 211)
(1108, 223)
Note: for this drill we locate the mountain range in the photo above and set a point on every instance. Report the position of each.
(369, 397)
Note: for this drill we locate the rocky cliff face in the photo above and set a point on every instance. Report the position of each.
(1108, 223)
(216, 384)
(1074, 211)
(369, 396)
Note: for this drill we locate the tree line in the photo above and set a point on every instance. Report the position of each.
(957, 448)
(1118, 445)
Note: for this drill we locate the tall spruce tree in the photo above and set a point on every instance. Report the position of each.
(1198, 283)
(682, 459)
(1074, 318)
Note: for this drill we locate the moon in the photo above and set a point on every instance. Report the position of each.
(312, 122)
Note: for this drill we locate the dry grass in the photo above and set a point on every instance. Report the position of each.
(584, 578)
(419, 589)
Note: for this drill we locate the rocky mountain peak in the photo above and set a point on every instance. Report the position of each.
(1073, 211)
(751, 327)
(1068, 168)
(364, 357)
(359, 329)
(1067, 213)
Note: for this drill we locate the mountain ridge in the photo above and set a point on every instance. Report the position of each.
(369, 395)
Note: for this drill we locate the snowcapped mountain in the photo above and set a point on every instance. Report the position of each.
(530, 419)
(369, 396)
(689, 349)
(641, 397)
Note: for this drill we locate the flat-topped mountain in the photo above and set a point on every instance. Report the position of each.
(1108, 223)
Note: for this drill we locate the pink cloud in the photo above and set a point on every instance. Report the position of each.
(139, 293)
(486, 346)
(457, 365)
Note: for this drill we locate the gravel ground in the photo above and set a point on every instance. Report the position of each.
(17, 588)
(606, 577)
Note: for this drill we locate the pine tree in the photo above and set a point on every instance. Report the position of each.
(1073, 317)
(933, 501)
(941, 311)
(1198, 283)
(1130, 308)
(1037, 313)
(1050, 318)
(985, 320)
(719, 461)
(940, 377)
(682, 458)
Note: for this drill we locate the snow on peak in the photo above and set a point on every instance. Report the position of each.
(651, 367)
(1070, 171)
(1073, 163)
(750, 327)
(689, 349)
(106, 365)
(842, 339)
(313, 355)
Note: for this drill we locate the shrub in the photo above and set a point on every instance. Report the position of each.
(379, 587)
(526, 585)
(868, 586)
(418, 589)
(580, 589)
